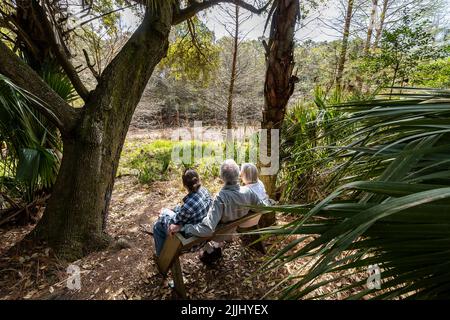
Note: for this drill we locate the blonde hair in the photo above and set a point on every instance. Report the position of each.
(249, 173)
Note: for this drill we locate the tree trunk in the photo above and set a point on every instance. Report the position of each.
(373, 15)
(32, 39)
(75, 218)
(280, 81)
(394, 78)
(380, 26)
(233, 71)
(93, 136)
(343, 54)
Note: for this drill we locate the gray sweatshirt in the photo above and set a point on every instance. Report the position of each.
(227, 206)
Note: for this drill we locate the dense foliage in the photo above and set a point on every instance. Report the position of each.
(391, 208)
(31, 146)
(365, 172)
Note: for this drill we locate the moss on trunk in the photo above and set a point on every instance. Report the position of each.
(74, 220)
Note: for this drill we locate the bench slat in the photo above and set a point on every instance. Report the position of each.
(220, 231)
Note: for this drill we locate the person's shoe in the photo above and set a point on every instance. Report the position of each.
(259, 246)
(210, 258)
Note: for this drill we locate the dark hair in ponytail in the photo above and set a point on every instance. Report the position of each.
(191, 180)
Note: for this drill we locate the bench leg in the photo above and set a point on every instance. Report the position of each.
(178, 278)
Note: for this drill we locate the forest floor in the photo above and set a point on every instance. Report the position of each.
(29, 272)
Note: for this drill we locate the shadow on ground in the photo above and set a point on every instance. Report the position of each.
(127, 271)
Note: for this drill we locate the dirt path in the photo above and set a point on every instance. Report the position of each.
(129, 272)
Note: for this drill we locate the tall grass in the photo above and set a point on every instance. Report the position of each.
(307, 135)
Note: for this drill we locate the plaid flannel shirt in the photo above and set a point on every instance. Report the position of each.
(194, 209)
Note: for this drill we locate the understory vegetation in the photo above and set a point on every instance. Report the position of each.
(391, 206)
(157, 160)
(360, 91)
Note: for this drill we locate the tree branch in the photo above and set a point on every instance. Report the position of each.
(55, 109)
(98, 17)
(20, 33)
(190, 11)
(91, 65)
(122, 82)
(62, 57)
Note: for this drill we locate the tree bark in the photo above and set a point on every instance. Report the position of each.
(72, 222)
(373, 15)
(343, 54)
(51, 105)
(280, 81)
(380, 26)
(31, 36)
(233, 71)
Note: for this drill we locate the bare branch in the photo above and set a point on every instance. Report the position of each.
(62, 57)
(193, 9)
(99, 17)
(90, 65)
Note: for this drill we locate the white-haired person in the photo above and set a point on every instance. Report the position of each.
(250, 179)
(230, 204)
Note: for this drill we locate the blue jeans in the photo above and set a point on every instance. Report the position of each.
(160, 230)
(159, 235)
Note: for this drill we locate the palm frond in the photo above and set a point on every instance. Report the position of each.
(31, 141)
(393, 208)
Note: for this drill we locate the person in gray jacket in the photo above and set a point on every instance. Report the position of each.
(229, 205)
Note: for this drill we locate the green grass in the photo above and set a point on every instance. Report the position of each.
(151, 161)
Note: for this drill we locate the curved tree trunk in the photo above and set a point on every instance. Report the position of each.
(75, 217)
(280, 81)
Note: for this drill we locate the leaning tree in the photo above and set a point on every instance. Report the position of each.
(93, 135)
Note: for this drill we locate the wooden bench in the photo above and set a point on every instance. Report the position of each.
(175, 246)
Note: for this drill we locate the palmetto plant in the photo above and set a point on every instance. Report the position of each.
(392, 208)
(32, 142)
(305, 134)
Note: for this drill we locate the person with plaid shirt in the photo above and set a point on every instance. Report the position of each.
(194, 208)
